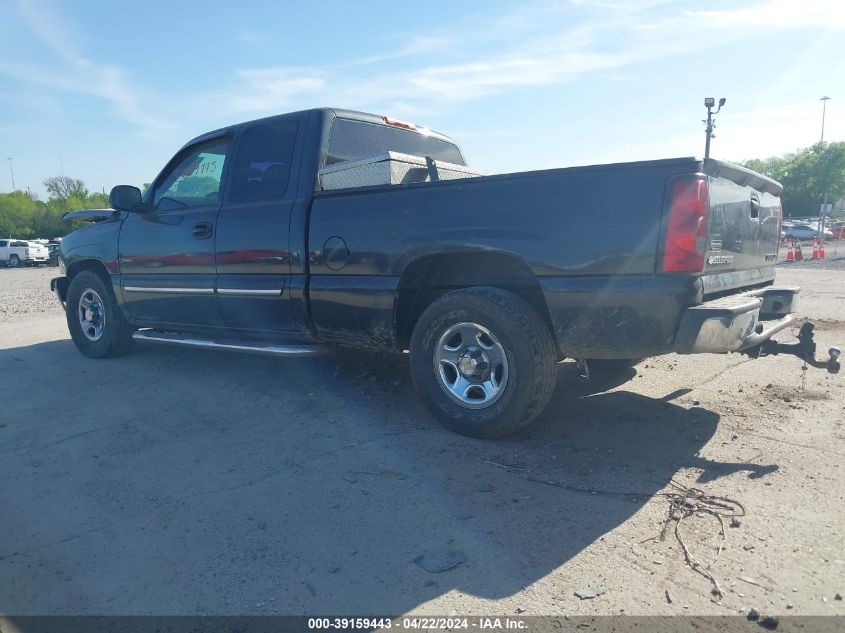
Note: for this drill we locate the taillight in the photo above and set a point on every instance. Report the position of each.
(397, 123)
(686, 227)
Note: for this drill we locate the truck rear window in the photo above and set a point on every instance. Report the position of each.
(354, 140)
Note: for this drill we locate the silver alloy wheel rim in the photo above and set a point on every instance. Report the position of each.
(92, 315)
(471, 365)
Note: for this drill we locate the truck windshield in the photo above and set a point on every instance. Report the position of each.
(354, 140)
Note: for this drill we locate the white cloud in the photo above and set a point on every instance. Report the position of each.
(497, 53)
(75, 73)
(780, 14)
(621, 34)
(268, 89)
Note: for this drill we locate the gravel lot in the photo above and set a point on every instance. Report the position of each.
(191, 482)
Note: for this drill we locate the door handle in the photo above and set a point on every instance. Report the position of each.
(203, 230)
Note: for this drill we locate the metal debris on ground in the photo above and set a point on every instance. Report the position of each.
(687, 502)
(684, 503)
(511, 468)
(438, 562)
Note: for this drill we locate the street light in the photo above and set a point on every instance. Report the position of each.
(709, 103)
(824, 101)
(12, 171)
(823, 210)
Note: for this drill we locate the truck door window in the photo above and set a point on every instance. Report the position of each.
(194, 180)
(261, 166)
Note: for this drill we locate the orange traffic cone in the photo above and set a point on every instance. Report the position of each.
(815, 248)
(790, 254)
(821, 249)
(799, 254)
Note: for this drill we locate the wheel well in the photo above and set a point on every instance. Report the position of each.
(426, 279)
(93, 265)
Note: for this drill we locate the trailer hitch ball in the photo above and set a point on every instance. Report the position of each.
(833, 363)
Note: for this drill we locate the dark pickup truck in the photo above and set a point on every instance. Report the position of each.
(249, 240)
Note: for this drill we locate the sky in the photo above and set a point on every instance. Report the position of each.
(108, 90)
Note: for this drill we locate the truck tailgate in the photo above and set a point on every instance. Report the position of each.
(743, 228)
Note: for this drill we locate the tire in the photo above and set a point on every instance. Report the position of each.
(483, 361)
(14, 261)
(97, 326)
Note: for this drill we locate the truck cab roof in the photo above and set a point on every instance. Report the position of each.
(328, 114)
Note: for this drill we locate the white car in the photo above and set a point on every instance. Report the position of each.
(15, 253)
(805, 232)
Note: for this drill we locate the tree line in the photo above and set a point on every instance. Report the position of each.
(806, 176)
(23, 215)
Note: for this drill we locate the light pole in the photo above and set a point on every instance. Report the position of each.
(709, 102)
(824, 101)
(823, 210)
(12, 171)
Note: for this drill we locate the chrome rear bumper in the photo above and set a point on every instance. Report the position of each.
(736, 322)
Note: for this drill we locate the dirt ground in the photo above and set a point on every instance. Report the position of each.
(175, 481)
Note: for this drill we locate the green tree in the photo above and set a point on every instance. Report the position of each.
(806, 175)
(63, 187)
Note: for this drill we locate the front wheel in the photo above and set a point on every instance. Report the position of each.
(483, 361)
(96, 324)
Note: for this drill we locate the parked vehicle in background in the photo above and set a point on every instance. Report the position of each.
(837, 229)
(806, 232)
(54, 250)
(291, 233)
(13, 253)
(38, 254)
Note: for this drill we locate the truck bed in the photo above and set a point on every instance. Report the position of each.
(589, 237)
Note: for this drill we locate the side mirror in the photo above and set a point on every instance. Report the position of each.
(125, 198)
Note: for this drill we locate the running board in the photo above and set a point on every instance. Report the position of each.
(254, 347)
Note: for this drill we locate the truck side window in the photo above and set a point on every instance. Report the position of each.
(3, 243)
(194, 179)
(261, 166)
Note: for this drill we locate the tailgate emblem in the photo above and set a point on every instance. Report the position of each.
(720, 259)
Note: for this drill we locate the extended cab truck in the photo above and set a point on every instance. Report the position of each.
(16, 253)
(13, 252)
(487, 281)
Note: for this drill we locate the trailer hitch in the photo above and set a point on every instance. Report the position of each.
(805, 349)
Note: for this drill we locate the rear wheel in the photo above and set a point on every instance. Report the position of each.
(14, 261)
(483, 361)
(96, 324)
